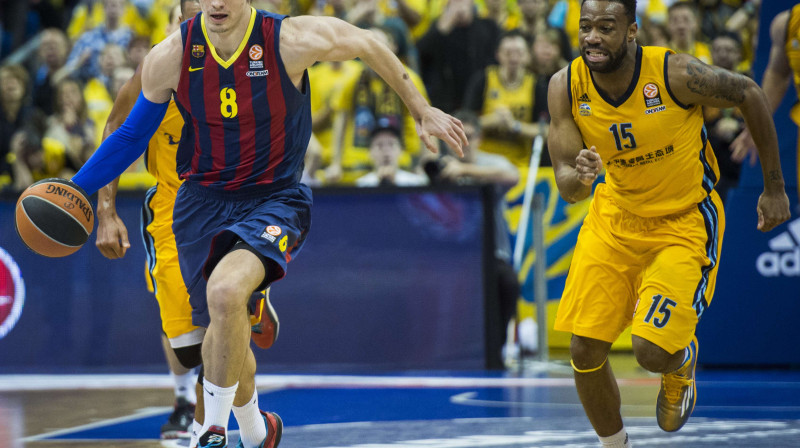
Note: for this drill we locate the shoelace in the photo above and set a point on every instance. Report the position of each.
(673, 386)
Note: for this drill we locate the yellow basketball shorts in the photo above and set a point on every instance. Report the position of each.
(654, 274)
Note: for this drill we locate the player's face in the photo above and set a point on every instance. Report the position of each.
(604, 34)
(223, 15)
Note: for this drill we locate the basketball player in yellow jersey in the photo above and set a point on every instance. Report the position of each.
(648, 251)
(181, 339)
(782, 68)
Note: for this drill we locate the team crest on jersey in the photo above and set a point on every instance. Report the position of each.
(652, 96)
(198, 51)
(584, 109)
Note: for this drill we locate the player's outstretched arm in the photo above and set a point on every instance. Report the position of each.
(112, 235)
(308, 39)
(776, 81)
(575, 168)
(160, 75)
(694, 82)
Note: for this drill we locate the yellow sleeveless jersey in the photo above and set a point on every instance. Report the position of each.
(792, 46)
(162, 150)
(657, 157)
(520, 101)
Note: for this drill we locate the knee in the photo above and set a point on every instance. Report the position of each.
(224, 298)
(588, 353)
(650, 356)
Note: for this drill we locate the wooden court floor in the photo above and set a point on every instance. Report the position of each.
(533, 408)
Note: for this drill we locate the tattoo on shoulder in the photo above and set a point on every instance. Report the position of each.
(715, 82)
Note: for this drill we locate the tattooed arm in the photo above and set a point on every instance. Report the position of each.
(693, 82)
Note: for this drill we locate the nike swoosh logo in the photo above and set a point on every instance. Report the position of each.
(194, 69)
(209, 392)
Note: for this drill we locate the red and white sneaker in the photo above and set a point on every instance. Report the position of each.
(265, 333)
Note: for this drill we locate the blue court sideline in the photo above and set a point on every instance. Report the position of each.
(734, 409)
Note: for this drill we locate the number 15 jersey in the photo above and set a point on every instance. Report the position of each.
(656, 153)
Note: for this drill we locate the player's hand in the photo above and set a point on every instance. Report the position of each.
(743, 146)
(435, 123)
(588, 165)
(773, 209)
(112, 236)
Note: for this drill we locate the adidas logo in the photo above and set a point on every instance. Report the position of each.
(784, 255)
(584, 99)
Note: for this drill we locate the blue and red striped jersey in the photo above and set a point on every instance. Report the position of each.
(246, 125)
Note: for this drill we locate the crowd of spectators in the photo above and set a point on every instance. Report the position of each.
(62, 62)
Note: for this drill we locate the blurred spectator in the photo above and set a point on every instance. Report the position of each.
(70, 130)
(84, 60)
(98, 93)
(534, 22)
(714, 15)
(508, 101)
(654, 34)
(565, 16)
(138, 48)
(385, 149)
(724, 125)
(684, 30)
(15, 113)
(478, 167)
(368, 14)
(505, 13)
(90, 14)
(548, 55)
(455, 47)
(48, 68)
(361, 101)
(327, 78)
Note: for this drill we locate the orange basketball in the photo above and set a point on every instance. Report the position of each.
(54, 217)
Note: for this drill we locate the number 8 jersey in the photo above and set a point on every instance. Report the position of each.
(247, 126)
(656, 153)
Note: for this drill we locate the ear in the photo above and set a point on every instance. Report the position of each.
(633, 30)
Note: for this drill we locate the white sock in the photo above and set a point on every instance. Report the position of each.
(218, 404)
(618, 440)
(196, 428)
(252, 430)
(184, 386)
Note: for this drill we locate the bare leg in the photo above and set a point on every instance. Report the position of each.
(225, 345)
(598, 390)
(654, 358)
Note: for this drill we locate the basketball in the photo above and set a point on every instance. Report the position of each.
(54, 217)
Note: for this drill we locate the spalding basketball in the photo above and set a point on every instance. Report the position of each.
(54, 217)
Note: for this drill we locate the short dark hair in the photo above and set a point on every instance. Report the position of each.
(510, 34)
(729, 35)
(684, 4)
(629, 5)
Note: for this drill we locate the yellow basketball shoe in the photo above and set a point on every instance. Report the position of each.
(678, 393)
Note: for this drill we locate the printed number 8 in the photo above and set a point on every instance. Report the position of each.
(228, 108)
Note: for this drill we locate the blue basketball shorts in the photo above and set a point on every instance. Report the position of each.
(207, 223)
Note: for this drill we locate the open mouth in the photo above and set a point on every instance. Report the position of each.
(596, 55)
(218, 17)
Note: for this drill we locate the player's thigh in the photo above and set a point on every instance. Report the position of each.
(599, 294)
(678, 284)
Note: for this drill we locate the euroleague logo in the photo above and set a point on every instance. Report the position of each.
(650, 90)
(12, 293)
(256, 52)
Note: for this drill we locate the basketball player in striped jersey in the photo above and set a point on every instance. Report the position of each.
(240, 82)
(181, 339)
(648, 251)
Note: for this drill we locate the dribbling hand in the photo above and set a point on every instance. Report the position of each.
(588, 165)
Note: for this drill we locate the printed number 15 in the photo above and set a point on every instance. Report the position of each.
(621, 131)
